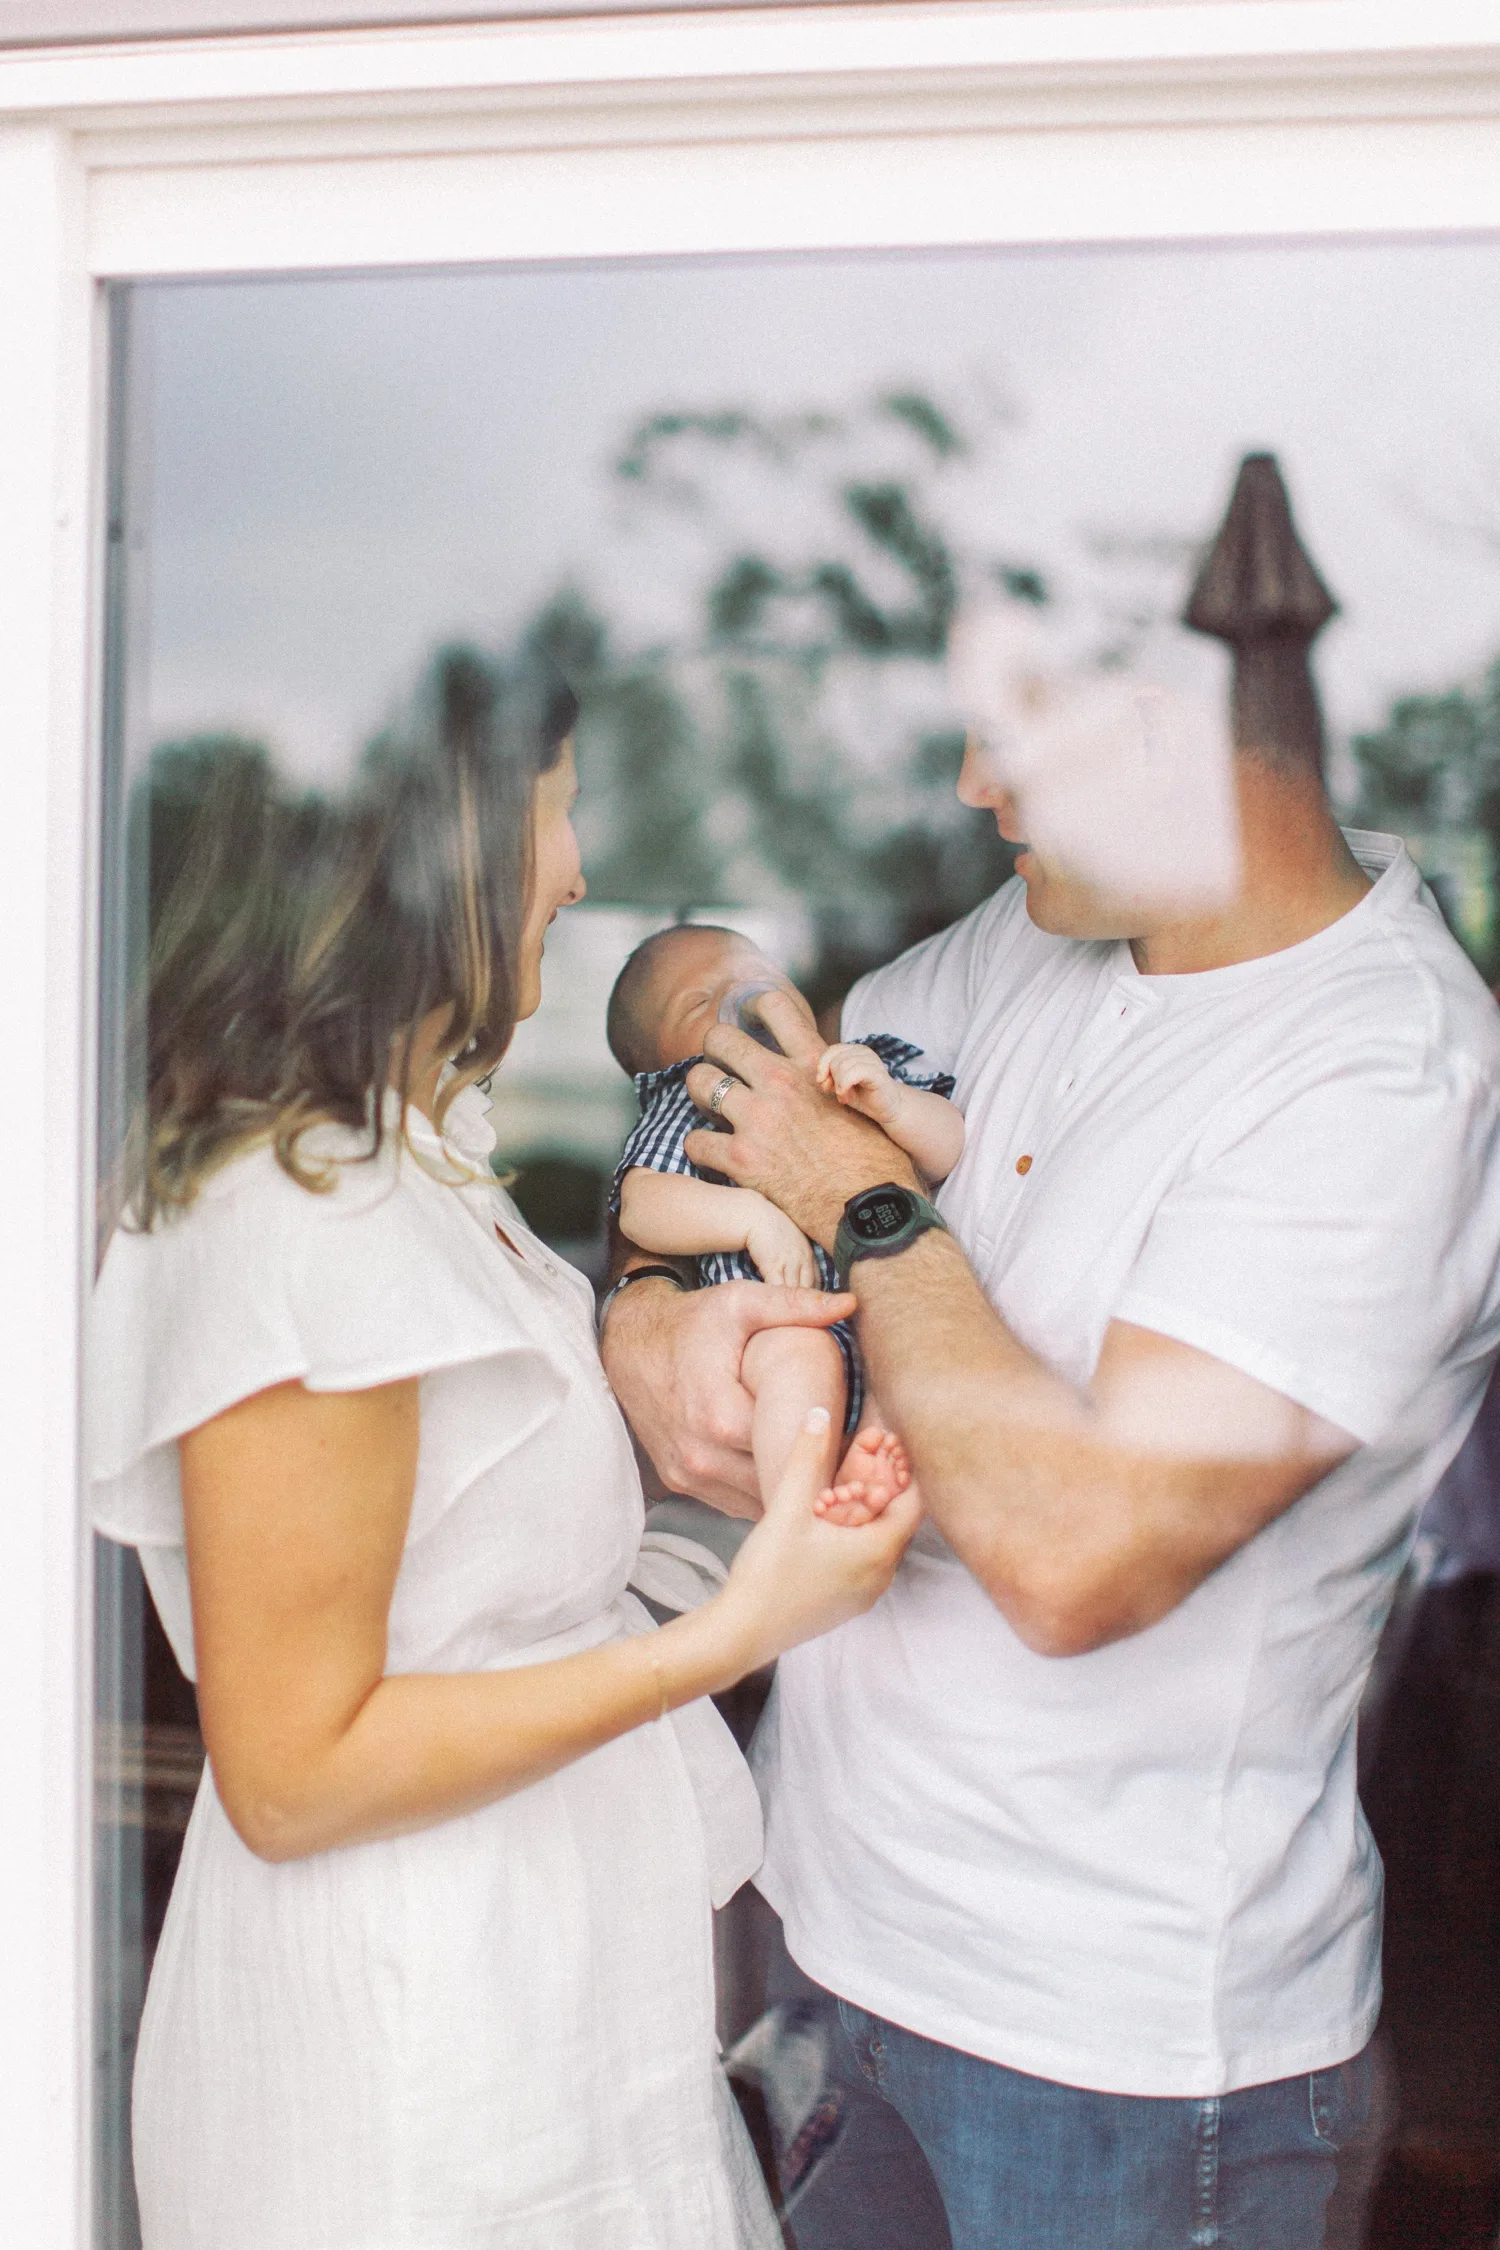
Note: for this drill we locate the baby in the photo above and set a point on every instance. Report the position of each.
(666, 997)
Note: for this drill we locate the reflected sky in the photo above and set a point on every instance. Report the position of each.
(336, 473)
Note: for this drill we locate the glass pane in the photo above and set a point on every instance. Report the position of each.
(739, 505)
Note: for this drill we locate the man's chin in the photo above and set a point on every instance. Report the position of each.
(1061, 910)
(1045, 909)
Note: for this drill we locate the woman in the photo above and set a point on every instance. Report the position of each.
(437, 1969)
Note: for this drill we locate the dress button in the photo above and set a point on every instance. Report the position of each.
(1023, 1165)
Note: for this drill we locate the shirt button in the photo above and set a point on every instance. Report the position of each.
(1023, 1165)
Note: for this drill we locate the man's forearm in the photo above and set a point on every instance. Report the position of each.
(1080, 1525)
(980, 1417)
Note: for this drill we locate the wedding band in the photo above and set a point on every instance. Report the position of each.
(717, 1098)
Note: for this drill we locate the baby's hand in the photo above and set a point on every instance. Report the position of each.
(858, 1078)
(780, 1250)
(872, 1472)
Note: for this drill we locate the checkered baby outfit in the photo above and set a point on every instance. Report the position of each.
(669, 1114)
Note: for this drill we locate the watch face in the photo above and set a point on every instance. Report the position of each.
(880, 1213)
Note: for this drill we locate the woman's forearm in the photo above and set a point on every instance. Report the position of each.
(427, 1747)
(297, 1506)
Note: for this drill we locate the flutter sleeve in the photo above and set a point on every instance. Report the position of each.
(262, 1282)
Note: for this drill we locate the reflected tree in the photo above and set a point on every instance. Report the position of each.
(648, 834)
(786, 739)
(1431, 773)
(167, 803)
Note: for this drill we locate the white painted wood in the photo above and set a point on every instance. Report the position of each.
(775, 47)
(41, 23)
(1183, 183)
(764, 129)
(46, 887)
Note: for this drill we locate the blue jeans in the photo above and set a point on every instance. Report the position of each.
(1023, 2164)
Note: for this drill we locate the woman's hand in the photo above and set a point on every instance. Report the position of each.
(798, 1575)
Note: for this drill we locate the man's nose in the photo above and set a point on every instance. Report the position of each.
(978, 786)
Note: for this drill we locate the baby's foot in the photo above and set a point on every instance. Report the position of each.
(872, 1472)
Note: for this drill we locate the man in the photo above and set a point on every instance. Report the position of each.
(1070, 1818)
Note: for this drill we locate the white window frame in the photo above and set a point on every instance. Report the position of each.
(836, 126)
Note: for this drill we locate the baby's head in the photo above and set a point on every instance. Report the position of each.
(669, 992)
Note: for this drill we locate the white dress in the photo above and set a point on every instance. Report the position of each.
(496, 2034)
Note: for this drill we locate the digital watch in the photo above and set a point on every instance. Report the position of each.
(879, 1222)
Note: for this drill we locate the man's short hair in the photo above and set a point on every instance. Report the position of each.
(625, 1025)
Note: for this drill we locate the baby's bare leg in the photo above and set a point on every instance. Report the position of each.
(787, 1370)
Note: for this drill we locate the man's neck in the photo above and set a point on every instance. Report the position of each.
(1298, 877)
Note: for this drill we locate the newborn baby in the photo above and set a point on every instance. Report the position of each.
(667, 995)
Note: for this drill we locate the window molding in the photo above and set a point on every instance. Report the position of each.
(51, 23)
(799, 128)
(783, 128)
(49, 368)
(1155, 47)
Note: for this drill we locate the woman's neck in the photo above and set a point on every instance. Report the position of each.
(428, 1058)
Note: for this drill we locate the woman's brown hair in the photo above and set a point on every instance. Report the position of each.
(303, 941)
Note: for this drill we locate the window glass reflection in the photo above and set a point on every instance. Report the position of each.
(740, 508)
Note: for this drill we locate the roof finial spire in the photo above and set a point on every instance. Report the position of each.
(1259, 591)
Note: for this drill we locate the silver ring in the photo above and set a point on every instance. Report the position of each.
(720, 1094)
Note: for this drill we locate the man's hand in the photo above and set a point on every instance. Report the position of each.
(787, 1139)
(673, 1359)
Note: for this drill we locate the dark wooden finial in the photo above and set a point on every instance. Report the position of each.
(1259, 591)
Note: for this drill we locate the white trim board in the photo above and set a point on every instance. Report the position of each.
(48, 419)
(770, 47)
(1175, 183)
(808, 128)
(50, 23)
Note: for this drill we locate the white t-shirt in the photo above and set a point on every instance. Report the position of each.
(1145, 1870)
